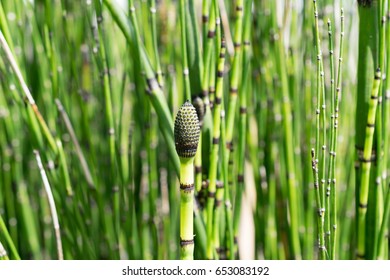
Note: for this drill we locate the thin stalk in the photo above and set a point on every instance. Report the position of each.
(205, 84)
(69, 127)
(243, 97)
(332, 143)
(333, 150)
(320, 224)
(291, 178)
(205, 20)
(52, 205)
(319, 186)
(153, 23)
(213, 190)
(384, 225)
(12, 61)
(386, 116)
(234, 76)
(8, 239)
(230, 242)
(366, 165)
(186, 73)
(378, 190)
(193, 45)
(234, 83)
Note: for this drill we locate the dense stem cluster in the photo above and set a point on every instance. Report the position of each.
(194, 130)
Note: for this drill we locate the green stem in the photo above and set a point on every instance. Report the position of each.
(8, 239)
(319, 186)
(186, 208)
(366, 166)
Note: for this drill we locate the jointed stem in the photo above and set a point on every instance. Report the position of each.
(320, 188)
(334, 126)
(366, 165)
(187, 208)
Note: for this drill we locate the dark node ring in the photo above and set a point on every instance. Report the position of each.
(229, 145)
(211, 34)
(233, 90)
(150, 82)
(187, 187)
(365, 160)
(361, 205)
(184, 242)
(243, 110)
(211, 194)
(198, 169)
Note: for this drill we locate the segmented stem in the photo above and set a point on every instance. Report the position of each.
(320, 96)
(334, 127)
(366, 165)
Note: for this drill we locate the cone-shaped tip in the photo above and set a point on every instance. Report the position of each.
(187, 131)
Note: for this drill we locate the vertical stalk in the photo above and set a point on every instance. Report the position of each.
(187, 133)
(243, 97)
(33, 107)
(293, 205)
(186, 73)
(153, 23)
(366, 166)
(215, 153)
(205, 85)
(328, 191)
(386, 116)
(319, 186)
(368, 60)
(8, 238)
(333, 149)
(52, 204)
(104, 68)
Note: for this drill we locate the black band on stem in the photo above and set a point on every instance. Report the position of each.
(184, 242)
(187, 187)
(361, 205)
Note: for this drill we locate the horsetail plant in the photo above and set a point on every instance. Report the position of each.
(366, 165)
(215, 193)
(99, 104)
(53, 209)
(187, 133)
